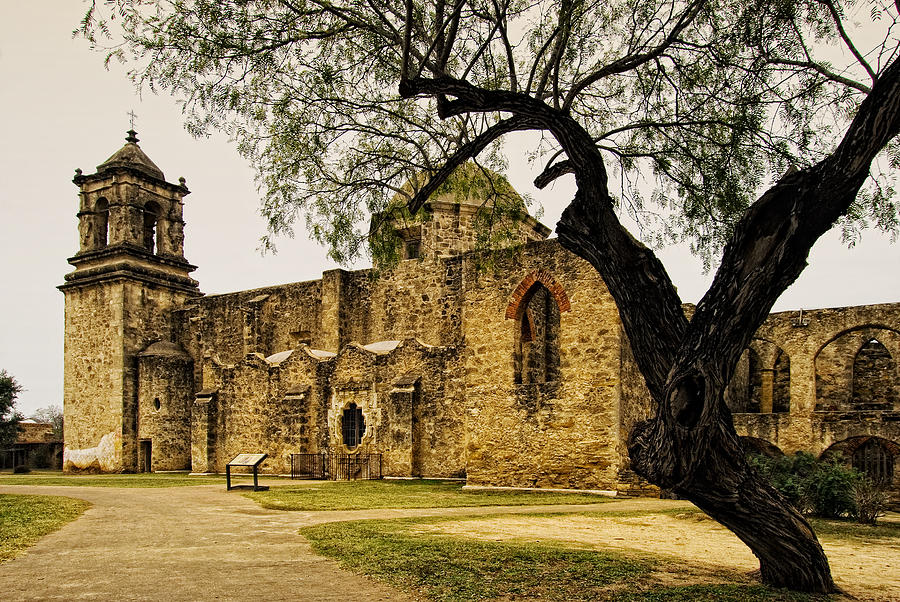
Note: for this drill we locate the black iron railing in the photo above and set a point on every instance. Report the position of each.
(336, 467)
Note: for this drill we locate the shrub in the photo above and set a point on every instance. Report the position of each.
(820, 487)
(21, 469)
(870, 501)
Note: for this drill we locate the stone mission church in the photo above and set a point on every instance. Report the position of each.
(516, 376)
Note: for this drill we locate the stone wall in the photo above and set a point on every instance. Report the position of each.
(563, 433)
(417, 299)
(165, 385)
(265, 320)
(93, 378)
(829, 404)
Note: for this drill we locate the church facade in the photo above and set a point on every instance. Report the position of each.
(519, 375)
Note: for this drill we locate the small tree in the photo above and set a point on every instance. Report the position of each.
(9, 417)
(52, 414)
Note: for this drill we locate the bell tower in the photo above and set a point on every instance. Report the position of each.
(130, 275)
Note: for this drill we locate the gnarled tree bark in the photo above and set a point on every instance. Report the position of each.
(690, 445)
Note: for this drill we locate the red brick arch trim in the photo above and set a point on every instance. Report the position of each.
(522, 295)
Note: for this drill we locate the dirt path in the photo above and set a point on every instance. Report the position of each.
(179, 543)
(196, 543)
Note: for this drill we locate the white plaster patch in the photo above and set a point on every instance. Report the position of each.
(277, 358)
(103, 454)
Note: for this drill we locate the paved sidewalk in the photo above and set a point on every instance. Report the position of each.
(203, 543)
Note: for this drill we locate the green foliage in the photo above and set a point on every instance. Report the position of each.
(819, 487)
(358, 495)
(701, 102)
(9, 417)
(26, 518)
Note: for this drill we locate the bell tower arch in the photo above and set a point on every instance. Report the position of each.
(130, 275)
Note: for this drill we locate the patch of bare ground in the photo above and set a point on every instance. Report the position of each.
(699, 549)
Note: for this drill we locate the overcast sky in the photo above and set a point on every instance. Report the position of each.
(61, 110)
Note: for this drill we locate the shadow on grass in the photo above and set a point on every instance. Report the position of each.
(455, 569)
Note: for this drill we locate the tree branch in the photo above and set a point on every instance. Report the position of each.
(770, 245)
(464, 153)
(628, 63)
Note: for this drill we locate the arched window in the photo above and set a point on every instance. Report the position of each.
(536, 305)
(537, 349)
(874, 378)
(781, 383)
(754, 382)
(353, 426)
(151, 216)
(875, 460)
(101, 222)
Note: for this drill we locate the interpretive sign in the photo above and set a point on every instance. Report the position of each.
(248, 460)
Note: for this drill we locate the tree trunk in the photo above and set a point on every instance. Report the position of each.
(691, 446)
(706, 465)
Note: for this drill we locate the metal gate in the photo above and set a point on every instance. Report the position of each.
(336, 467)
(308, 466)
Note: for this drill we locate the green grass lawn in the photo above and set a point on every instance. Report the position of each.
(146, 479)
(456, 569)
(849, 529)
(26, 518)
(365, 495)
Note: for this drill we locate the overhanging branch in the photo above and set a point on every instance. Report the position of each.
(466, 152)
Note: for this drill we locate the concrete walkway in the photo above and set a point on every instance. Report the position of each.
(198, 543)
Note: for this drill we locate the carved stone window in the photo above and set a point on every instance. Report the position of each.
(353, 426)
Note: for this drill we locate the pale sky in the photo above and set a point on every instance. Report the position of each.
(61, 110)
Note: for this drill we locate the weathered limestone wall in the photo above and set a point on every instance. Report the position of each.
(93, 378)
(451, 228)
(148, 318)
(420, 299)
(262, 405)
(412, 400)
(563, 433)
(165, 395)
(411, 397)
(265, 320)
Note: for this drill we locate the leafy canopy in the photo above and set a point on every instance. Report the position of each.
(9, 417)
(695, 104)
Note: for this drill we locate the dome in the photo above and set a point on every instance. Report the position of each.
(131, 156)
(469, 184)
